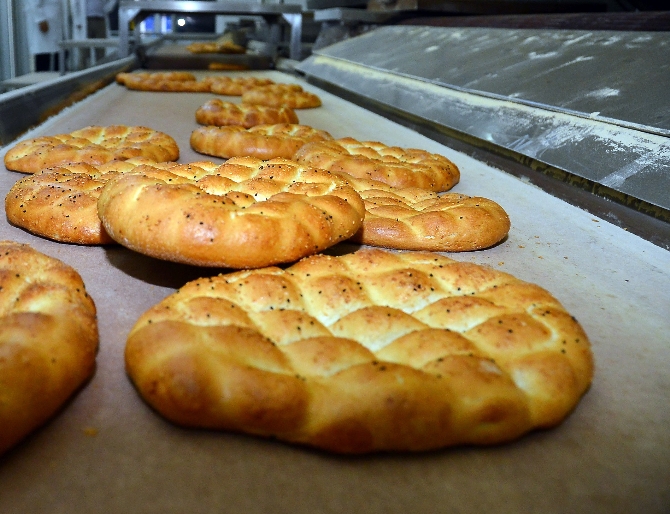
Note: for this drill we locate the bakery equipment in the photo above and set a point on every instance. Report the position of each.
(566, 102)
(108, 452)
(274, 15)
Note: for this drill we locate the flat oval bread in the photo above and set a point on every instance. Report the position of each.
(215, 47)
(138, 83)
(397, 167)
(246, 213)
(418, 219)
(276, 95)
(158, 75)
(219, 113)
(61, 203)
(91, 145)
(48, 338)
(235, 86)
(261, 141)
(370, 351)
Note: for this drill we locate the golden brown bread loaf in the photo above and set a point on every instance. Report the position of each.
(261, 141)
(418, 219)
(235, 86)
(397, 167)
(61, 203)
(227, 66)
(158, 75)
(48, 338)
(245, 213)
(137, 82)
(219, 113)
(215, 47)
(276, 95)
(370, 351)
(92, 145)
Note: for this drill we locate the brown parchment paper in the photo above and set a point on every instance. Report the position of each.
(107, 452)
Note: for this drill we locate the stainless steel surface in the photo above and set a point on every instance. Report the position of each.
(327, 4)
(622, 76)
(130, 10)
(84, 47)
(28, 79)
(592, 104)
(348, 15)
(29, 106)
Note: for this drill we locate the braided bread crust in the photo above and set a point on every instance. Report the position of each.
(61, 203)
(370, 351)
(261, 141)
(159, 75)
(246, 213)
(139, 83)
(398, 167)
(418, 219)
(48, 338)
(276, 95)
(235, 86)
(219, 113)
(215, 47)
(92, 145)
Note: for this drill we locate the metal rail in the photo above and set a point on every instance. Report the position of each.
(273, 14)
(29, 106)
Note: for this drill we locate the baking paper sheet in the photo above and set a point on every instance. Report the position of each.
(108, 452)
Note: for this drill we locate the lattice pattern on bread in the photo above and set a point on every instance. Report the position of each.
(395, 166)
(219, 113)
(365, 352)
(215, 47)
(92, 145)
(276, 95)
(235, 86)
(261, 141)
(418, 219)
(61, 203)
(137, 82)
(157, 75)
(48, 338)
(244, 213)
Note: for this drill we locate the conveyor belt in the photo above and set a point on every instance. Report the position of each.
(107, 452)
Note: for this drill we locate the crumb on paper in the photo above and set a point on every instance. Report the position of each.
(501, 263)
(540, 257)
(90, 431)
(521, 246)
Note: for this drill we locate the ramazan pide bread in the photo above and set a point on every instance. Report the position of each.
(219, 113)
(215, 47)
(61, 203)
(262, 141)
(397, 167)
(370, 351)
(157, 75)
(48, 338)
(276, 95)
(92, 145)
(137, 82)
(246, 213)
(418, 219)
(235, 86)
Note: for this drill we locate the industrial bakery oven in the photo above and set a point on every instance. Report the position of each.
(567, 130)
